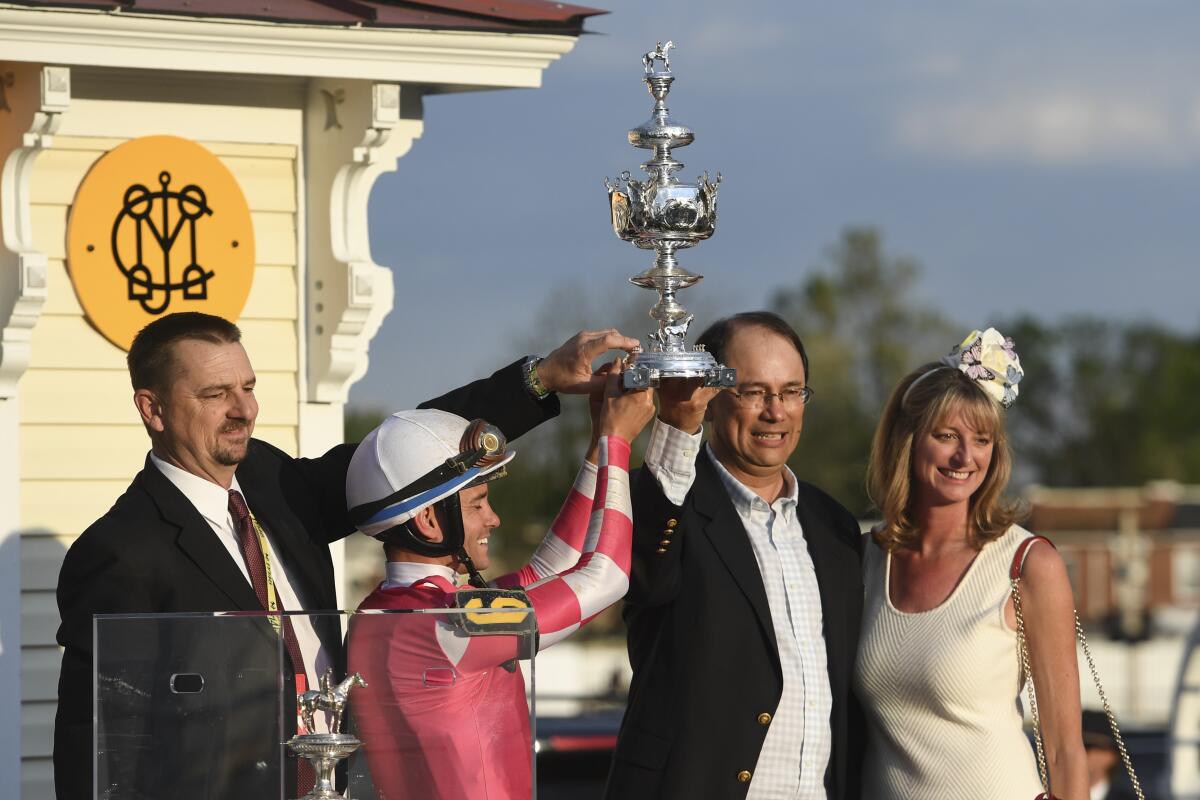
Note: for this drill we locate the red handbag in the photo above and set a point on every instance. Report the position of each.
(1014, 576)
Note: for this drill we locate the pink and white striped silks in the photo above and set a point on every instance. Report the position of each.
(449, 721)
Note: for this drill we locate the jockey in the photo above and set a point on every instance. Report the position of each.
(444, 714)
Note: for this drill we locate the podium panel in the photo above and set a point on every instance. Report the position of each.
(206, 706)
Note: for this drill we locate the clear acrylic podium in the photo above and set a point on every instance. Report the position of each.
(202, 706)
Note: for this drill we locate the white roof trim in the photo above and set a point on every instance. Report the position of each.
(397, 55)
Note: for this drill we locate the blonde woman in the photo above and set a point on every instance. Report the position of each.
(938, 671)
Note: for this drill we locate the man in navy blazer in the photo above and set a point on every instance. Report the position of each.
(745, 594)
(169, 545)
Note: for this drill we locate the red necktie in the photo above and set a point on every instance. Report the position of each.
(256, 566)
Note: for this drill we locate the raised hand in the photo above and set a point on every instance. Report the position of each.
(624, 412)
(683, 402)
(568, 369)
(617, 412)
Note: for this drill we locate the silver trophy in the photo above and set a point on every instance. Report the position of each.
(325, 750)
(663, 214)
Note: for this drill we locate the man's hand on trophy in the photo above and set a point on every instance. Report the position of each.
(568, 369)
(682, 402)
(616, 411)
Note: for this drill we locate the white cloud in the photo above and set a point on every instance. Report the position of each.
(1058, 127)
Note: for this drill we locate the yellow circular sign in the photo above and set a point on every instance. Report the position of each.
(159, 225)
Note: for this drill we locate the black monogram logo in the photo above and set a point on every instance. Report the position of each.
(151, 212)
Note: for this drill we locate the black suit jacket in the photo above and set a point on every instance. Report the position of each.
(154, 553)
(705, 665)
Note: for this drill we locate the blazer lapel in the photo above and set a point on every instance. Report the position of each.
(729, 538)
(288, 537)
(295, 550)
(834, 579)
(198, 541)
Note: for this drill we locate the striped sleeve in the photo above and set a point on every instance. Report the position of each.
(567, 599)
(564, 601)
(564, 543)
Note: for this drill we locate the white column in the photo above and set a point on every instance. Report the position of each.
(354, 132)
(34, 98)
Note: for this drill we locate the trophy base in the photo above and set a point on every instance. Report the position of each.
(324, 750)
(647, 368)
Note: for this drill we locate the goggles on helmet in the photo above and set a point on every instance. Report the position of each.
(482, 445)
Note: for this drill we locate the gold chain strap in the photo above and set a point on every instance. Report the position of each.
(1108, 712)
(1027, 671)
(1023, 651)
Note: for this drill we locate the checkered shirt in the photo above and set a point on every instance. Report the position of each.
(795, 753)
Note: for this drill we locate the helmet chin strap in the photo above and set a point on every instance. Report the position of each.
(457, 534)
(454, 541)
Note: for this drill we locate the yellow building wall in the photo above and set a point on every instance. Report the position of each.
(80, 438)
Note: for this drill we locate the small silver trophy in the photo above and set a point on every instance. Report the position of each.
(325, 750)
(665, 215)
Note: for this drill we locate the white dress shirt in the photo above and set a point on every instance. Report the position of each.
(402, 574)
(212, 501)
(795, 753)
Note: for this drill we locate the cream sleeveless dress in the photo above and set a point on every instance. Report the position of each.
(940, 688)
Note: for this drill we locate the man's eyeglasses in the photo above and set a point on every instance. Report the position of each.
(756, 399)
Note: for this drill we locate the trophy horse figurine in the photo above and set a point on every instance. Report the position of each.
(660, 52)
(325, 750)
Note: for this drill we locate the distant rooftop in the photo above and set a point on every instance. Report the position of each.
(493, 16)
(1159, 505)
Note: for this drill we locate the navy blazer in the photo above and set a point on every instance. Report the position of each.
(706, 672)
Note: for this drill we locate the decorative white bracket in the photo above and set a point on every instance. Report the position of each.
(354, 132)
(34, 98)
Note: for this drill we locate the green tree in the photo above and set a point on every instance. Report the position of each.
(1106, 403)
(863, 331)
(359, 422)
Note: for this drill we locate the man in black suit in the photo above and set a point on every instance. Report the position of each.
(745, 595)
(219, 521)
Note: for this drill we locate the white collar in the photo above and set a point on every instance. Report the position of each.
(402, 574)
(743, 496)
(210, 499)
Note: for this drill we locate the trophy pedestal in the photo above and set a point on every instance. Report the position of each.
(324, 751)
(647, 368)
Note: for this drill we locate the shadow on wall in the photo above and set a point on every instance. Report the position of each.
(30, 560)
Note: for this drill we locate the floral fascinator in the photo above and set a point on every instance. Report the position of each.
(990, 359)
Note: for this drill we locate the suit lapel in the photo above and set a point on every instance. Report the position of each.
(287, 537)
(729, 538)
(289, 542)
(197, 539)
(294, 549)
(832, 583)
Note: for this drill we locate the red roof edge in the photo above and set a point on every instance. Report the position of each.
(367, 12)
(503, 16)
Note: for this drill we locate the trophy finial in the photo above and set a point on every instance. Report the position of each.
(661, 52)
(329, 697)
(325, 750)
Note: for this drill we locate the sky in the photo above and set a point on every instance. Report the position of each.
(1032, 157)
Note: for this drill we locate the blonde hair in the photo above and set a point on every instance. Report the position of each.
(923, 400)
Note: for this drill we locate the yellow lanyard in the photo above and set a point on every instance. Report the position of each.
(276, 621)
(272, 598)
